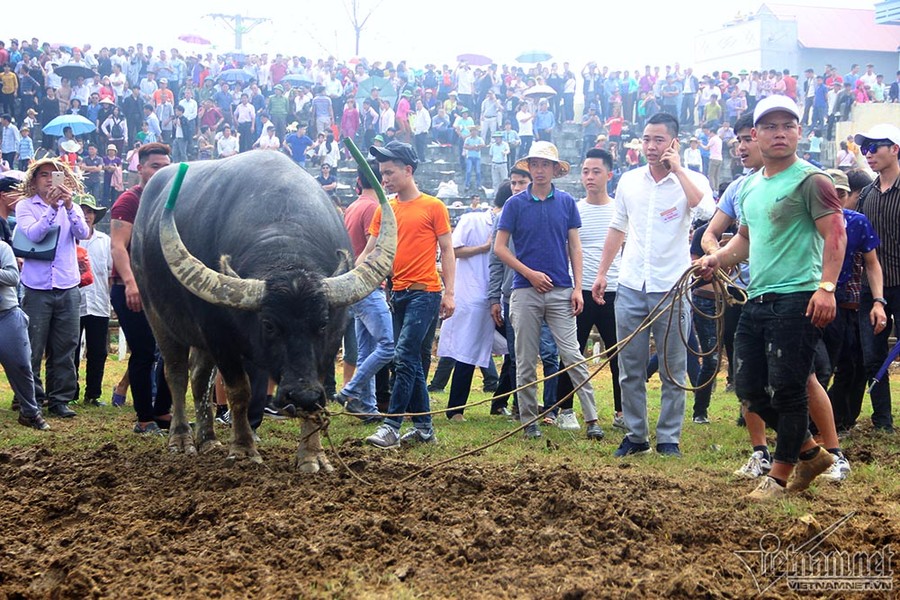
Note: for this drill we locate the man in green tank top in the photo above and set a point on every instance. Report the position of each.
(792, 229)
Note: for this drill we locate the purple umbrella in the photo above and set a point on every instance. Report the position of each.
(892, 355)
(479, 60)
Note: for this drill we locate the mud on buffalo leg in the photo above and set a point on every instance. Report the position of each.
(201, 363)
(175, 357)
(237, 388)
(310, 454)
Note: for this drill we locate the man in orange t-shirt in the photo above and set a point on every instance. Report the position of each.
(423, 225)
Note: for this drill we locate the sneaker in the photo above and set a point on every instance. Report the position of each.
(701, 420)
(729, 388)
(433, 389)
(458, 418)
(503, 412)
(273, 413)
(619, 422)
(768, 489)
(224, 418)
(839, 470)
(594, 432)
(807, 470)
(35, 422)
(149, 429)
(356, 407)
(757, 466)
(385, 438)
(415, 436)
(118, 399)
(93, 402)
(668, 450)
(532, 432)
(567, 421)
(628, 448)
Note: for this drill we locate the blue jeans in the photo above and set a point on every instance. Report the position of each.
(15, 358)
(774, 347)
(473, 163)
(875, 351)
(375, 338)
(706, 335)
(414, 311)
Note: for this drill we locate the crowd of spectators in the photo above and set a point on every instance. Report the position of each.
(144, 105)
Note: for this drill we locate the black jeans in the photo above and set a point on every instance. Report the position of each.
(774, 347)
(705, 327)
(875, 350)
(849, 384)
(604, 318)
(141, 363)
(96, 334)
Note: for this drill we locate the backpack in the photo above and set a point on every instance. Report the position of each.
(115, 132)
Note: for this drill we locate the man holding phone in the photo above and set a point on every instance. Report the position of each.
(51, 298)
(654, 206)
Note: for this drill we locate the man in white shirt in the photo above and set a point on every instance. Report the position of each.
(94, 309)
(227, 145)
(655, 205)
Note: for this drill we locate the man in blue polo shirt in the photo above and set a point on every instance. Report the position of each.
(543, 223)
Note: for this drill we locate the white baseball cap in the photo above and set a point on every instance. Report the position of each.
(879, 132)
(775, 104)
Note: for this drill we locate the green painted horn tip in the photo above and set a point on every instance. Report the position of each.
(176, 185)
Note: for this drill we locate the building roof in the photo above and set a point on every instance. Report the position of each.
(838, 28)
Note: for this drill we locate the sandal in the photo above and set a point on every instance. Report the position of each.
(117, 398)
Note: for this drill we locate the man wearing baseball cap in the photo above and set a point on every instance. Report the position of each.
(792, 211)
(880, 202)
(423, 225)
(543, 223)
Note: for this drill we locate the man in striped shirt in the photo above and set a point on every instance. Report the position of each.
(880, 202)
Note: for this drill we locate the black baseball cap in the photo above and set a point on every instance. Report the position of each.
(395, 150)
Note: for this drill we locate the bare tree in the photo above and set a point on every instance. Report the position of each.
(357, 20)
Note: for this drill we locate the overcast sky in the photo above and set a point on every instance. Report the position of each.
(658, 32)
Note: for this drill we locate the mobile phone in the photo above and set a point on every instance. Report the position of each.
(673, 145)
(58, 178)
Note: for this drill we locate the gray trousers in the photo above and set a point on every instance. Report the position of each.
(15, 357)
(528, 309)
(499, 173)
(632, 307)
(53, 330)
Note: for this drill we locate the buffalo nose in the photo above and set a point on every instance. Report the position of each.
(308, 399)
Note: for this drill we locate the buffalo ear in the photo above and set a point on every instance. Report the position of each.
(345, 262)
(225, 266)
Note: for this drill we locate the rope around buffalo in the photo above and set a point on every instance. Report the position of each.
(675, 297)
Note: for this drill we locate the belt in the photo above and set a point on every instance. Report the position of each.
(762, 298)
(849, 305)
(709, 295)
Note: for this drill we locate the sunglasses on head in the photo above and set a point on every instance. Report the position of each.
(872, 147)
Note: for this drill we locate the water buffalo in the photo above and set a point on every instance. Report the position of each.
(251, 264)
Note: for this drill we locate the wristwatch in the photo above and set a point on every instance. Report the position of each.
(827, 286)
(880, 301)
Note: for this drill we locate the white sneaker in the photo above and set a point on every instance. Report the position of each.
(567, 421)
(756, 466)
(619, 422)
(838, 471)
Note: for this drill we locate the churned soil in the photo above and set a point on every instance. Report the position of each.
(127, 522)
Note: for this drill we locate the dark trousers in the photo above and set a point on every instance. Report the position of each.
(246, 136)
(603, 317)
(732, 315)
(96, 334)
(141, 362)
(875, 351)
(53, 332)
(705, 326)
(849, 384)
(775, 343)
(460, 386)
(446, 366)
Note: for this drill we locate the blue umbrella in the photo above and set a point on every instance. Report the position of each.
(892, 355)
(533, 56)
(234, 76)
(385, 90)
(79, 125)
(296, 80)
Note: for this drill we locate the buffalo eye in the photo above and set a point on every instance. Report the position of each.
(268, 327)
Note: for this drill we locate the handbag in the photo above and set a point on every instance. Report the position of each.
(42, 250)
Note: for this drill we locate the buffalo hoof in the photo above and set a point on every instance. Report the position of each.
(313, 463)
(238, 453)
(182, 443)
(209, 446)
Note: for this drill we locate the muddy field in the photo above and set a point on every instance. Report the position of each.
(126, 522)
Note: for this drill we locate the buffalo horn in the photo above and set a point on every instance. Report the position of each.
(216, 288)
